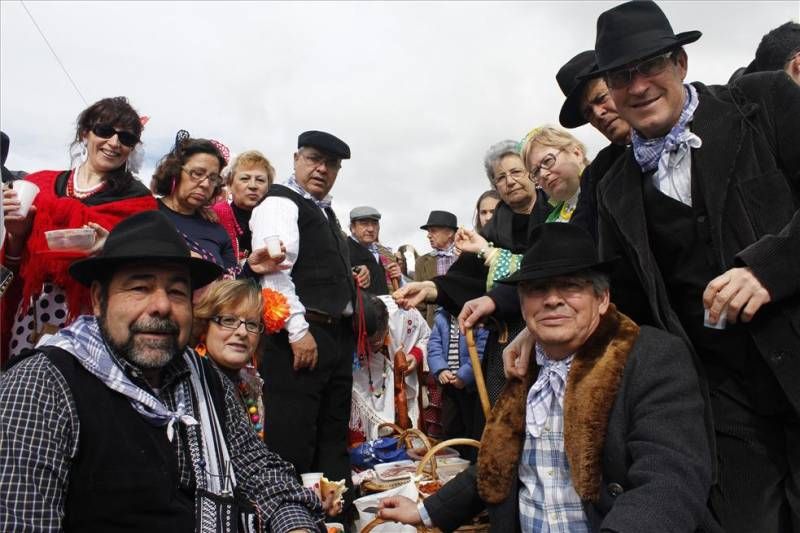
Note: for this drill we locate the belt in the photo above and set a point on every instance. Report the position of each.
(320, 318)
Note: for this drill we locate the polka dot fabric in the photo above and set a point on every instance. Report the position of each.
(46, 314)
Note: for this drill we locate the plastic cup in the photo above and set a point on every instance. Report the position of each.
(720, 324)
(26, 192)
(312, 481)
(273, 243)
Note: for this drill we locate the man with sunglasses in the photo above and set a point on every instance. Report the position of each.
(704, 209)
(307, 367)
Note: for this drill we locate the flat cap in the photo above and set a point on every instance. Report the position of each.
(324, 141)
(364, 211)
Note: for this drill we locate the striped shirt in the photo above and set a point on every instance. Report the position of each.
(453, 361)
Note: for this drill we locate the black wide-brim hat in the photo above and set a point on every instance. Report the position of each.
(568, 78)
(443, 219)
(558, 249)
(146, 237)
(633, 31)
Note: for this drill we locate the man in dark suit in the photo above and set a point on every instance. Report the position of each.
(365, 229)
(607, 433)
(704, 209)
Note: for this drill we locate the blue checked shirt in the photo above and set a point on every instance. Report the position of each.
(548, 502)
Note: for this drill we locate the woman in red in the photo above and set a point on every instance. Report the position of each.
(97, 192)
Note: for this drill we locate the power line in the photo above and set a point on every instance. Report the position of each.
(75, 85)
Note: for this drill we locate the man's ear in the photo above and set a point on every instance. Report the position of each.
(605, 300)
(793, 68)
(95, 292)
(682, 63)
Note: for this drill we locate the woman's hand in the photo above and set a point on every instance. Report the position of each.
(517, 355)
(262, 263)
(414, 293)
(467, 240)
(411, 364)
(331, 505)
(100, 236)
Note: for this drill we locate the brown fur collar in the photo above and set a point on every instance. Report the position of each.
(592, 386)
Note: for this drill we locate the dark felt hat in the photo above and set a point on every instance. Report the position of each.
(572, 86)
(443, 219)
(633, 31)
(558, 249)
(148, 237)
(330, 144)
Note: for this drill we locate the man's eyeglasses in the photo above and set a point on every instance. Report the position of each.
(619, 79)
(104, 131)
(564, 286)
(333, 163)
(232, 322)
(546, 163)
(197, 175)
(515, 173)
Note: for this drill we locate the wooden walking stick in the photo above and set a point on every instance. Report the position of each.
(478, 371)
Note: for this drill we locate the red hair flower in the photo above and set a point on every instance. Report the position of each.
(276, 310)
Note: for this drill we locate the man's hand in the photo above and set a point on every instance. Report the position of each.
(17, 226)
(305, 352)
(399, 509)
(393, 269)
(414, 293)
(361, 276)
(446, 377)
(738, 290)
(473, 311)
(331, 505)
(262, 263)
(517, 355)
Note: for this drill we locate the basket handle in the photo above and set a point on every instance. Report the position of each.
(396, 430)
(407, 436)
(445, 443)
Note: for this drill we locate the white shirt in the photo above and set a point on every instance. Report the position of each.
(675, 177)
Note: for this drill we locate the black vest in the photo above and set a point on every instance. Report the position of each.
(680, 238)
(322, 277)
(360, 255)
(125, 475)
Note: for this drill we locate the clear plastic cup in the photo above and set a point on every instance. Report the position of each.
(273, 243)
(26, 192)
(312, 481)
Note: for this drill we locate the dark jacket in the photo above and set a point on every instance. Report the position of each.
(585, 215)
(747, 173)
(634, 433)
(360, 255)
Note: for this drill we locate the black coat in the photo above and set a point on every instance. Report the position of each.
(360, 255)
(649, 471)
(748, 174)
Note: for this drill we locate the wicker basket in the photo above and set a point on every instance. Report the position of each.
(407, 437)
(428, 473)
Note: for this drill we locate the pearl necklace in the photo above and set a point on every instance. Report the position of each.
(74, 190)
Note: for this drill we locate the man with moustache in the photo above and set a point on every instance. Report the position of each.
(703, 207)
(116, 425)
(307, 367)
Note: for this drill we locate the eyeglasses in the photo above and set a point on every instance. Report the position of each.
(104, 131)
(546, 163)
(515, 173)
(198, 175)
(619, 79)
(564, 286)
(333, 163)
(232, 322)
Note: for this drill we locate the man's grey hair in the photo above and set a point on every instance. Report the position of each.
(600, 280)
(495, 153)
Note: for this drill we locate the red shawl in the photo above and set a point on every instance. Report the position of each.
(39, 264)
(227, 220)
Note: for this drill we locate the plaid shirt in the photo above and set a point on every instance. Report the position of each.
(548, 502)
(445, 259)
(39, 436)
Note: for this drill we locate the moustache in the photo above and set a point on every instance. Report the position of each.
(155, 325)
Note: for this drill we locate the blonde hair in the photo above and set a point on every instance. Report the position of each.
(553, 137)
(225, 294)
(250, 158)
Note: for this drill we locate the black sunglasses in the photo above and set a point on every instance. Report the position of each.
(104, 131)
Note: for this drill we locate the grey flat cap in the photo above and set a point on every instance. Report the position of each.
(364, 211)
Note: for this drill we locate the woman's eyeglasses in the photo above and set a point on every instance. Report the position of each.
(197, 175)
(546, 163)
(232, 322)
(104, 131)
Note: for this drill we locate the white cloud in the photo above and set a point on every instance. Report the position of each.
(418, 90)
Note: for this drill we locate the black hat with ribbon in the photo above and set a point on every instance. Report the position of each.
(572, 86)
(146, 237)
(633, 31)
(443, 219)
(558, 249)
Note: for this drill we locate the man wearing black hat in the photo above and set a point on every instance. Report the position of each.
(114, 424)
(366, 251)
(704, 209)
(606, 433)
(441, 227)
(307, 367)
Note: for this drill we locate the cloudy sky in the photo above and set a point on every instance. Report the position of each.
(418, 90)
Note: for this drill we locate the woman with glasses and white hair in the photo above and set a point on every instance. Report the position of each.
(188, 179)
(96, 193)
